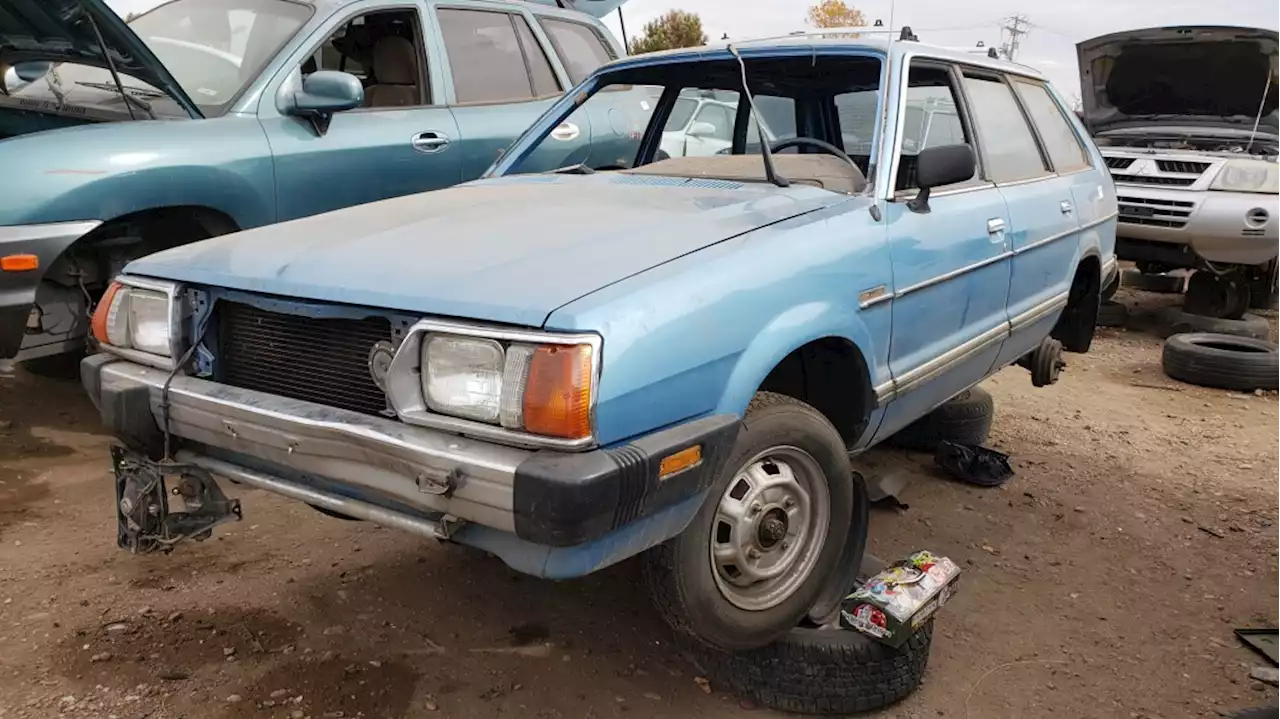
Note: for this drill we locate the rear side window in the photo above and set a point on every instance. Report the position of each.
(580, 47)
(1059, 139)
(1009, 149)
(487, 59)
(540, 73)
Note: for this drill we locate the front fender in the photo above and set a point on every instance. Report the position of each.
(104, 171)
(791, 329)
(698, 335)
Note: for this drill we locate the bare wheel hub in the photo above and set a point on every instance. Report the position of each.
(769, 528)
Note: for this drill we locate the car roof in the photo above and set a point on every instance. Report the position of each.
(537, 8)
(817, 42)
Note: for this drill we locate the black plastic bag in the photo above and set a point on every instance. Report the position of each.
(975, 465)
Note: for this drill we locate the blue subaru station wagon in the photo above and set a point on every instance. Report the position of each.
(666, 356)
(203, 117)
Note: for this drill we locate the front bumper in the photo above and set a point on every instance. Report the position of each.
(1217, 226)
(544, 497)
(18, 289)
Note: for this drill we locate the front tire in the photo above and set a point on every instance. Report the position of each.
(762, 548)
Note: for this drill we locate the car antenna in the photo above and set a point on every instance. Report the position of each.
(766, 154)
(1262, 107)
(111, 65)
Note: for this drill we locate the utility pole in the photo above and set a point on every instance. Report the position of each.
(1015, 27)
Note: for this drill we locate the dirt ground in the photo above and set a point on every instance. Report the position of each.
(1104, 580)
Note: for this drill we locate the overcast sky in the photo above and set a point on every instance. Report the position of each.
(1049, 46)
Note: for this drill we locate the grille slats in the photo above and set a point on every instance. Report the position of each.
(1118, 163)
(319, 360)
(1154, 180)
(1183, 166)
(1154, 212)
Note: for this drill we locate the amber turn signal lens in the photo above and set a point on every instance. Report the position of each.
(99, 323)
(557, 398)
(19, 263)
(680, 461)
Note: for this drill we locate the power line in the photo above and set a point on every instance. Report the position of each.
(1013, 27)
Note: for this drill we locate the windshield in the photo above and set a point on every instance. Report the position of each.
(703, 115)
(213, 48)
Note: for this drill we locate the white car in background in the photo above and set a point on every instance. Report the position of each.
(702, 125)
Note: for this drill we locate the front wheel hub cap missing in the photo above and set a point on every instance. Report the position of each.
(769, 528)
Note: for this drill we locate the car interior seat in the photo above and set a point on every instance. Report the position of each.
(395, 65)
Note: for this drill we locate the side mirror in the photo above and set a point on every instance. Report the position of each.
(323, 93)
(32, 71)
(938, 166)
(702, 129)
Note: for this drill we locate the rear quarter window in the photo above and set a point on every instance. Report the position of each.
(580, 47)
(1059, 139)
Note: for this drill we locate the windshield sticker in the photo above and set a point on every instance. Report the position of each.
(207, 92)
(52, 107)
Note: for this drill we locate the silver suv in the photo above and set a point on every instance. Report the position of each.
(1186, 120)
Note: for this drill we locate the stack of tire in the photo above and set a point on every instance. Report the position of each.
(818, 667)
(1230, 352)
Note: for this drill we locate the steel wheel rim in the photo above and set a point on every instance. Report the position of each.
(769, 528)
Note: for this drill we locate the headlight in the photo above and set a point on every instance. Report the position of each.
(135, 318)
(1245, 175)
(542, 389)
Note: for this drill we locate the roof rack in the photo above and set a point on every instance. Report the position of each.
(877, 29)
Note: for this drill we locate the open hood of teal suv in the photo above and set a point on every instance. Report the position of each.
(69, 30)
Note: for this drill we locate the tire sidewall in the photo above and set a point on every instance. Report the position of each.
(717, 620)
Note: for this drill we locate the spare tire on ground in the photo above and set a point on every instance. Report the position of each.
(821, 671)
(1112, 314)
(1176, 321)
(964, 419)
(1222, 361)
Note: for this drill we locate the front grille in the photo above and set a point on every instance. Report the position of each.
(1153, 180)
(318, 360)
(1118, 163)
(1154, 213)
(1182, 166)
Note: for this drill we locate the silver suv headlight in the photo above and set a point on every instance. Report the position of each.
(1247, 175)
(141, 320)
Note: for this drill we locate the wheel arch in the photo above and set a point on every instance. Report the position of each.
(1075, 327)
(827, 365)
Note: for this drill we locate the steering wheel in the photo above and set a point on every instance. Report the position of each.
(814, 142)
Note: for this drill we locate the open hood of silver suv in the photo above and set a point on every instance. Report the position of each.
(1194, 77)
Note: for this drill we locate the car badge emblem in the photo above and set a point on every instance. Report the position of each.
(380, 356)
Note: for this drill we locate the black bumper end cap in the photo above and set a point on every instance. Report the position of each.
(125, 408)
(562, 499)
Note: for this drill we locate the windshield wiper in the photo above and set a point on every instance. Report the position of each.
(111, 88)
(128, 99)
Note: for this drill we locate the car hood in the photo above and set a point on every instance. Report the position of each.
(67, 31)
(1206, 76)
(509, 250)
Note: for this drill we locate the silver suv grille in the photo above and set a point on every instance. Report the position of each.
(1154, 171)
(1154, 213)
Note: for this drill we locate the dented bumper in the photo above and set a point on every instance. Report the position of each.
(383, 469)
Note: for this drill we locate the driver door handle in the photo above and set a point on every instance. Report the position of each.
(429, 142)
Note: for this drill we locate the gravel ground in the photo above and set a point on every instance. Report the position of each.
(1103, 581)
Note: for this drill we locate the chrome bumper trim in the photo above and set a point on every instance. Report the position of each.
(373, 456)
(325, 500)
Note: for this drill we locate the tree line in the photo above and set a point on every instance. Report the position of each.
(678, 28)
